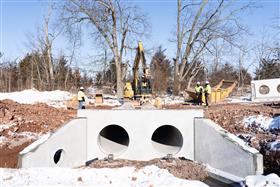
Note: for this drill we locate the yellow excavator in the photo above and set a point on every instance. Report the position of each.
(141, 85)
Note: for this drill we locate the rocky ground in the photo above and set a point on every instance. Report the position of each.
(22, 124)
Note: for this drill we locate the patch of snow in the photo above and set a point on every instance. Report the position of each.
(275, 146)
(111, 102)
(173, 100)
(244, 99)
(261, 180)
(6, 126)
(32, 96)
(14, 139)
(262, 122)
(125, 176)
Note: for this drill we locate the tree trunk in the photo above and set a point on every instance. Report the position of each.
(48, 50)
(119, 78)
(189, 82)
(177, 84)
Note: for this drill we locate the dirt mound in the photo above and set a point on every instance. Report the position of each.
(180, 168)
(22, 124)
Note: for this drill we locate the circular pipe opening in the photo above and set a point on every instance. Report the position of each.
(167, 139)
(264, 89)
(57, 156)
(113, 139)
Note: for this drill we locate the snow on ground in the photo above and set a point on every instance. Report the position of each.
(244, 99)
(126, 176)
(272, 180)
(111, 102)
(14, 139)
(262, 122)
(32, 96)
(168, 100)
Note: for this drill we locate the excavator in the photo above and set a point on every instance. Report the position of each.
(140, 88)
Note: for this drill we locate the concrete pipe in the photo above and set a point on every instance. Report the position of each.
(167, 139)
(113, 139)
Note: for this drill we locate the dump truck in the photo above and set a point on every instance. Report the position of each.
(219, 92)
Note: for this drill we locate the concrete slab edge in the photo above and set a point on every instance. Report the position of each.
(224, 177)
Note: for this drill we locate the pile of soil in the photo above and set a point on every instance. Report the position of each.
(181, 168)
(17, 119)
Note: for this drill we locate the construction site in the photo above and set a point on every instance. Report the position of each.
(190, 145)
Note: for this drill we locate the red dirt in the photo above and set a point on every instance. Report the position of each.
(37, 119)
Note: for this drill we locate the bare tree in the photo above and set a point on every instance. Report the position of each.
(116, 23)
(198, 25)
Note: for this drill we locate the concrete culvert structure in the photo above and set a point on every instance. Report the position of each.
(113, 139)
(57, 156)
(167, 139)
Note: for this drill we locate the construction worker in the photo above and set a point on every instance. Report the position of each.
(81, 98)
(198, 91)
(207, 92)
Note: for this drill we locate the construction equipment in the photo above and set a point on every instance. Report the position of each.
(141, 85)
(219, 92)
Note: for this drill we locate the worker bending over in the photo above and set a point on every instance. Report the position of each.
(198, 91)
(207, 92)
(81, 98)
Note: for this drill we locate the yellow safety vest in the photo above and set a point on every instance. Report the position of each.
(207, 89)
(81, 94)
(198, 88)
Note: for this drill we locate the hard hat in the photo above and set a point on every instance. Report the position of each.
(81, 88)
(198, 82)
(206, 82)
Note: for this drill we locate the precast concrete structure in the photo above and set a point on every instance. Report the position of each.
(65, 147)
(265, 90)
(224, 151)
(142, 135)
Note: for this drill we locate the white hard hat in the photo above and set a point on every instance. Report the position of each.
(197, 82)
(206, 82)
(81, 88)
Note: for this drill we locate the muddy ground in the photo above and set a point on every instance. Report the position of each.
(40, 118)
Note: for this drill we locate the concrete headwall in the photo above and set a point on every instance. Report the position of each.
(224, 151)
(65, 147)
(140, 134)
(266, 90)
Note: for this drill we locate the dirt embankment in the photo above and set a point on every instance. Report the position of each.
(22, 124)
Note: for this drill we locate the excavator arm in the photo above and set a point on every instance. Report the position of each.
(138, 84)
